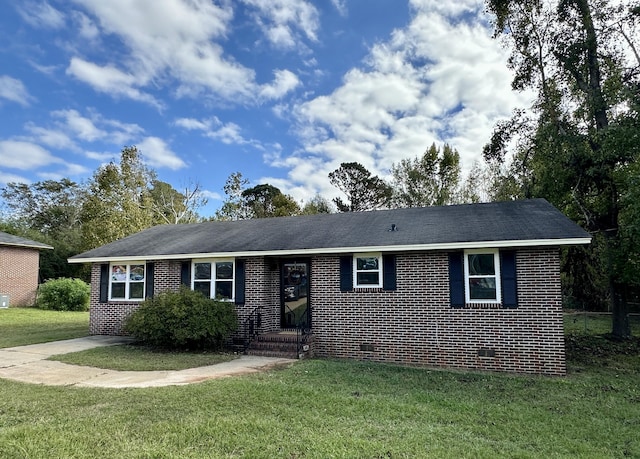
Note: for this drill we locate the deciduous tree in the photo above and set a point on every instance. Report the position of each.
(119, 201)
(172, 206)
(432, 179)
(233, 207)
(48, 212)
(583, 132)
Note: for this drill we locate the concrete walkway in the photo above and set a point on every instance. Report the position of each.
(28, 364)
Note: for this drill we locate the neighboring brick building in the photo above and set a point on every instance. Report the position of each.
(19, 267)
(473, 286)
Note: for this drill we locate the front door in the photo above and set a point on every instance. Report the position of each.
(295, 310)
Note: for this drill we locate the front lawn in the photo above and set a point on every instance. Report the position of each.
(326, 408)
(21, 326)
(128, 357)
(343, 409)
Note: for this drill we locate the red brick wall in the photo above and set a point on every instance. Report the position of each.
(415, 324)
(19, 268)
(108, 318)
(261, 292)
(412, 325)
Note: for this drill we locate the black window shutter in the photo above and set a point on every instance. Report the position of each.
(185, 274)
(346, 273)
(388, 272)
(240, 281)
(104, 283)
(456, 279)
(508, 279)
(149, 281)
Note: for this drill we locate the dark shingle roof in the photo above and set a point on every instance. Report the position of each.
(10, 239)
(535, 221)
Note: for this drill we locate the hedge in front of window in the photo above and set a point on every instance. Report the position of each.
(183, 320)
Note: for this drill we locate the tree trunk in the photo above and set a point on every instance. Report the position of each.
(620, 311)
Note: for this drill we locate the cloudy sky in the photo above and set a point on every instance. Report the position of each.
(282, 91)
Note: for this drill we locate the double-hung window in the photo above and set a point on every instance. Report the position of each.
(368, 270)
(214, 278)
(127, 281)
(482, 276)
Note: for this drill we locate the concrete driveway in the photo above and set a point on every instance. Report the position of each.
(28, 364)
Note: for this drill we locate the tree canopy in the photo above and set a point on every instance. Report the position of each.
(432, 179)
(363, 191)
(577, 145)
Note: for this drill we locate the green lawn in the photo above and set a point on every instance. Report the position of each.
(20, 326)
(139, 358)
(591, 323)
(343, 409)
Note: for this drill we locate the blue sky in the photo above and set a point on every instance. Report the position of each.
(282, 91)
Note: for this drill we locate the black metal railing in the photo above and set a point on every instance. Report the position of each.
(251, 327)
(302, 328)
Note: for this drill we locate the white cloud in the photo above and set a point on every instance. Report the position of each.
(41, 14)
(12, 178)
(28, 156)
(14, 90)
(229, 134)
(110, 80)
(70, 128)
(119, 133)
(213, 128)
(448, 9)
(53, 138)
(168, 41)
(69, 170)
(283, 21)
(284, 82)
(441, 79)
(191, 124)
(87, 29)
(80, 126)
(158, 154)
(341, 6)
(24, 156)
(212, 195)
(103, 157)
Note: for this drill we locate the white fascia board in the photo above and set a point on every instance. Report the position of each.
(335, 250)
(29, 246)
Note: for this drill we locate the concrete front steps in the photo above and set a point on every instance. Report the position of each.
(281, 344)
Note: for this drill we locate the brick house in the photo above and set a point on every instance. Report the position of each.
(19, 268)
(471, 286)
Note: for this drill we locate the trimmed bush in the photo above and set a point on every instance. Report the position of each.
(64, 294)
(184, 320)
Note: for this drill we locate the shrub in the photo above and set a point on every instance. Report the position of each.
(64, 294)
(185, 319)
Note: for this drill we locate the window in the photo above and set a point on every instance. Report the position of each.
(368, 270)
(482, 276)
(127, 282)
(214, 279)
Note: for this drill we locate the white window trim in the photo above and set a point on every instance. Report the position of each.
(498, 275)
(213, 280)
(127, 280)
(377, 255)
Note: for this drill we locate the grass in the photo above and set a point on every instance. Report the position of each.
(594, 323)
(20, 326)
(343, 409)
(325, 408)
(128, 357)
